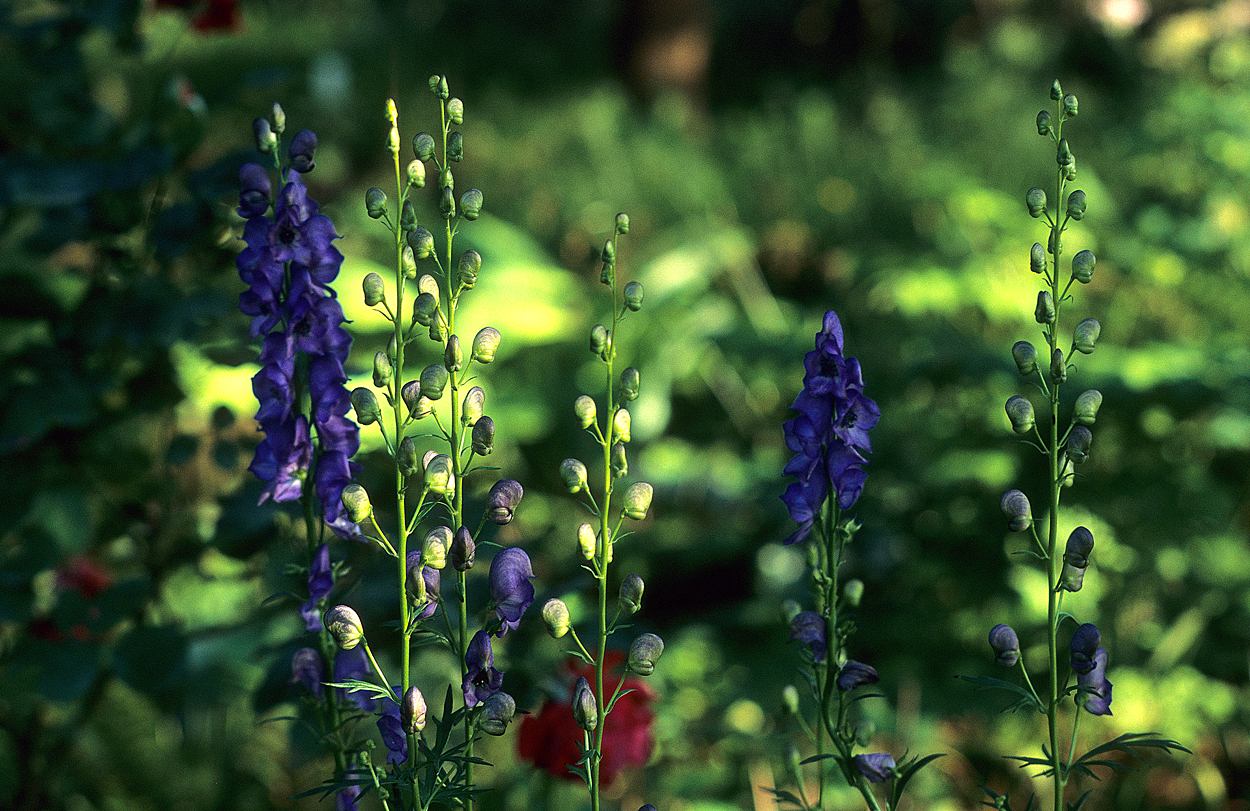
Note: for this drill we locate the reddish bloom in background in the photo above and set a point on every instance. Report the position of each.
(549, 738)
(208, 15)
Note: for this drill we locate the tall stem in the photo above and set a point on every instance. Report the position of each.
(1052, 543)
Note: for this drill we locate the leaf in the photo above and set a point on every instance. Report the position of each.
(354, 685)
(1080, 801)
(815, 758)
(906, 772)
(1124, 743)
(785, 796)
(985, 682)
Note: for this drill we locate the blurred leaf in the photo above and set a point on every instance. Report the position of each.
(152, 660)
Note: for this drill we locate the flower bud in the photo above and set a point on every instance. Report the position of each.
(375, 203)
(470, 264)
(392, 140)
(853, 592)
(255, 190)
(1037, 258)
(587, 541)
(1025, 356)
(482, 439)
(381, 369)
(423, 146)
(408, 219)
(301, 151)
(1035, 199)
(1020, 412)
(434, 547)
(473, 405)
(630, 380)
(556, 618)
(1005, 644)
(1043, 123)
(266, 141)
(438, 86)
(406, 456)
(498, 710)
(644, 652)
(374, 289)
(790, 699)
(421, 241)
(356, 502)
(409, 259)
(1079, 440)
(620, 425)
(502, 501)
(637, 501)
(433, 380)
(279, 118)
(585, 712)
(485, 343)
(1083, 266)
(1063, 154)
(1053, 243)
(1058, 368)
(412, 711)
(631, 593)
(1084, 646)
(453, 356)
(599, 340)
(574, 475)
(365, 402)
(439, 477)
(619, 462)
(416, 174)
(622, 223)
(856, 674)
(447, 203)
(447, 182)
(471, 204)
(1044, 312)
(1076, 205)
(463, 550)
(455, 147)
(410, 393)
(344, 625)
(1076, 558)
(455, 111)
(865, 728)
(1085, 411)
(1056, 92)
(609, 258)
(1070, 105)
(633, 296)
(585, 409)
(1086, 335)
(1015, 505)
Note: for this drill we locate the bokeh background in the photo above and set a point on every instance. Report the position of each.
(777, 159)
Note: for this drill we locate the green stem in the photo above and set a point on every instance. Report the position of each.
(1052, 546)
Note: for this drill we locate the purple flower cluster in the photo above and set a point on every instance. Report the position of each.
(829, 437)
(288, 265)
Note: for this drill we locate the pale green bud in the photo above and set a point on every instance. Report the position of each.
(455, 147)
(1037, 258)
(585, 409)
(421, 241)
(1083, 266)
(423, 146)
(455, 111)
(453, 356)
(1085, 411)
(1025, 356)
(644, 652)
(637, 501)
(374, 289)
(619, 462)
(622, 223)
(470, 264)
(574, 474)
(1020, 412)
(471, 204)
(474, 405)
(434, 547)
(1086, 335)
(1058, 368)
(790, 699)
(498, 710)
(482, 439)
(599, 340)
(1070, 105)
(853, 592)
(279, 118)
(1056, 91)
(344, 625)
(1043, 123)
(438, 86)
(1076, 205)
(375, 203)
(585, 711)
(356, 502)
(365, 402)
(633, 296)
(439, 477)
(1036, 201)
(485, 343)
(631, 594)
(408, 218)
(556, 618)
(416, 174)
(620, 425)
(433, 380)
(382, 369)
(412, 711)
(587, 541)
(1044, 312)
(630, 381)
(406, 456)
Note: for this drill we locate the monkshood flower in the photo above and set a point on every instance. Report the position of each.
(1006, 644)
(510, 589)
(1099, 701)
(877, 767)
(352, 665)
(1084, 646)
(393, 735)
(809, 628)
(308, 669)
(481, 679)
(829, 437)
(432, 581)
(856, 674)
(320, 582)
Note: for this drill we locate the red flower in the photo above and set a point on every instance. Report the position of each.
(208, 15)
(549, 738)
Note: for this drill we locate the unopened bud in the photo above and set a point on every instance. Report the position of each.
(416, 174)
(470, 265)
(433, 380)
(1076, 558)
(1005, 644)
(498, 710)
(406, 456)
(381, 370)
(574, 475)
(1076, 205)
(585, 409)
(1020, 412)
(374, 289)
(344, 625)
(585, 712)
(409, 259)
(455, 111)
(631, 593)
(633, 296)
(301, 151)
(1015, 505)
(1037, 258)
(356, 502)
(1025, 356)
(619, 462)
(482, 439)
(455, 147)
(485, 343)
(1086, 335)
(587, 541)
(423, 146)
(790, 699)
(375, 203)
(1079, 439)
(1044, 312)
(266, 141)
(447, 203)
(1070, 105)
(622, 223)
(556, 618)
(1056, 91)
(439, 477)
(1058, 367)
(463, 550)
(620, 425)
(412, 711)
(853, 592)
(438, 86)
(453, 356)
(421, 241)
(599, 340)
(1083, 266)
(637, 501)
(410, 394)
(473, 406)
(279, 118)
(1043, 123)
(408, 220)
(471, 204)
(365, 402)
(630, 381)
(434, 547)
(1035, 199)
(502, 501)
(1085, 411)
(644, 653)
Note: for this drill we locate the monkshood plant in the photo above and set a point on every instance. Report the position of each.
(593, 698)
(1076, 663)
(829, 438)
(430, 503)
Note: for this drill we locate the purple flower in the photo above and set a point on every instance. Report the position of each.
(320, 582)
(345, 799)
(393, 735)
(255, 189)
(1006, 644)
(856, 674)
(502, 501)
(302, 146)
(1084, 646)
(433, 580)
(809, 628)
(877, 767)
(829, 435)
(308, 669)
(510, 589)
(482, 679)
(353, 664)
(1099, 701)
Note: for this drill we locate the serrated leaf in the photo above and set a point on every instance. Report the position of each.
(815, 758)
(907, 772)
(1080, 801)
(986, 683)
(354, 685)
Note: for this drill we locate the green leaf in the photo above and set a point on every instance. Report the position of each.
(906, 772)
(784, 796)
(354, 685)
(815, 758)
(985, 682)
(1124, 743)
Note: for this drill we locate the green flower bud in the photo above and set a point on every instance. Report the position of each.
(1044, 312)
(1063, 154)
(416, 174)
(446, 181)
(455, 147)
(375, 203)
(1076, 205)
(498, 710)
(633, 296)
(424, 309)
(643, 654)
(1069, 170)
(637, 501)
(279, 118)
(1083, 266)
(556, 618)
(423, 146)
(865, 728)
(620, 425)
(410, 262)
(356, 502)
(574, 475)
(853, 592)
(630, 381)
(1086, 335)
(433, 379)
(410, 393)
(1054, 244)
(463, 550)
(471, 204)
(1015, 505)
(609, 262)
(434, 547)
(455, 111)
(421, 241)
(412, 711)
(447, 203)
(470, 264)
(266, 141)
(1056, 92)
(619, 463)
(587, 541)
(382, 369)
(365, 402)
(585, 409)
(438, 86)
(485, 343)
(1025, 356)
(790, 699)
(439, 477)
(374, 289)
(1069, 105)
(482, 440)
(622, 223)
(473, 405)
(392, 140)
(1058, 368)
(1036, 201)
(1043, 123)
(408, 218)
(406, 456)
(1020, 412)
(585, 711)
(600, 342)
(453, 356)
(631, 594)
(1037, 258)
(1086, 409)
(344, 625)
(1079, 440)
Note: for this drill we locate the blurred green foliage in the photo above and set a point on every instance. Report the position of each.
(869, 158)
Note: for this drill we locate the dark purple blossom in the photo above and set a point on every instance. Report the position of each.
(810, 628)
(502, 501)
(510, 589)
(1006, 644)
(1084, 645)
(345, 799)
(432, 579)
(856, 674)
(320, 582)
(482, 679)
(393, 735)
(349, 665)
(877, 767)
(308, 669)
(302, 146)
(255, 190)
(829, 435)
(1099, 701)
